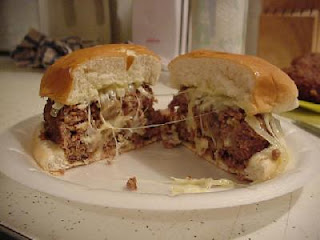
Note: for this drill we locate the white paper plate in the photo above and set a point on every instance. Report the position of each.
(103, 184)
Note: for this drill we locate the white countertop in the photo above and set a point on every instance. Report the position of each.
(38, 215)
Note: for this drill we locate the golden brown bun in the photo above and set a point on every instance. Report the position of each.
(254, 84)
(79, 76)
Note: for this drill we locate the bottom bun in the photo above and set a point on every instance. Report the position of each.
(51, 157)
(259, 168)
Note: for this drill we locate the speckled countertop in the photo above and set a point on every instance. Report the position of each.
(38, 215)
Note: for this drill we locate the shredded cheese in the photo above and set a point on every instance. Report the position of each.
(195, 185)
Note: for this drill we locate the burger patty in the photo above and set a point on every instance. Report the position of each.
(305, 72)
(69, 128)
(222, 134)
(65, 130)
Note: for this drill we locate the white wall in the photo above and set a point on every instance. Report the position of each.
(16, 17)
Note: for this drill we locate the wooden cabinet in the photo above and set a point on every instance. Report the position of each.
(288, 33)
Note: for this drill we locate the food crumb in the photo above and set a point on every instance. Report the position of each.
(132, 184)
(275, 154)
(109, 161)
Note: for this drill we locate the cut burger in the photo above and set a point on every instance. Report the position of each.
(98, 100)
(100, 104)
(226, 102)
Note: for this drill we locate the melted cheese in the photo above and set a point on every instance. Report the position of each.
(202, 145)
(55, 109)
(144, 92)
(108, 99)
(204, 100)
(207, 101)
(275, 137)
(57, 105)
(194, 185)
(261, 166)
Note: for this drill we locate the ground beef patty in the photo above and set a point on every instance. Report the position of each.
(69, 128)
(224, 134)
(305, 72)
(65, 129)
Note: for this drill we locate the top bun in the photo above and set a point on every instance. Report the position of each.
(251, 83)
(78, 76)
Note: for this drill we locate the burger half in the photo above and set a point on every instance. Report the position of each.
(94, 96)
(224, 111)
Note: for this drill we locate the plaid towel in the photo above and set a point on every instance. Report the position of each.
(37, 50)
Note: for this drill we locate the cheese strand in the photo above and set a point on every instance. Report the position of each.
(158, 124)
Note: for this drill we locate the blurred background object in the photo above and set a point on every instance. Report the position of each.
(276, 30)
(121, 17)
(288, 29)
(16, 17)
(171, 27)
(161, 26)
(289, 37)
(88, 20)
(218, 25)
(39, 51)
(305, 72)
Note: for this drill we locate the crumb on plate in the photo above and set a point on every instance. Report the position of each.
(132, 184)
